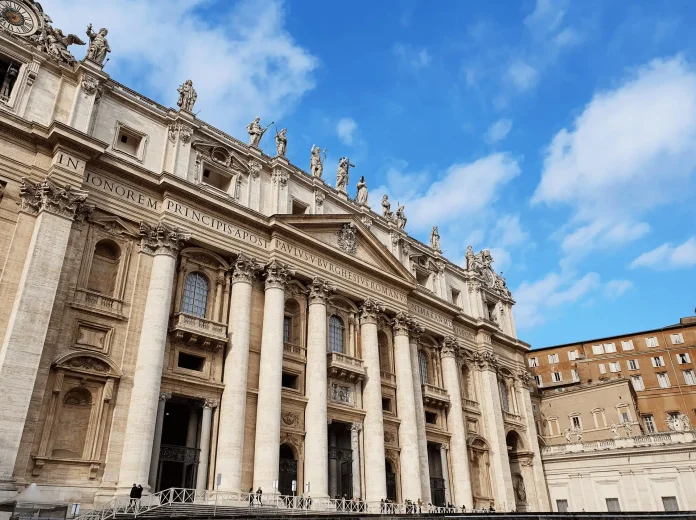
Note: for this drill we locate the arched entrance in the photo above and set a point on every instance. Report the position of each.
(287, 471)
(480, 469)
(391, 480)
(516, 453)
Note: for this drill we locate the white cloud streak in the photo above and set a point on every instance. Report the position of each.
(498, 131)
(346, 129)
(667, 256)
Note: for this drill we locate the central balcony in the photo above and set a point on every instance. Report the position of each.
(195, 331)
(435, 396)
(512, 417)
(345, 368)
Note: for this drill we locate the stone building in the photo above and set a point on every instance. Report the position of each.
(180, 308)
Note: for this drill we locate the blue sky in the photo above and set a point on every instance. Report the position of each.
(562, 135)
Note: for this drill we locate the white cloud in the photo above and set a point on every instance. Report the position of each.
(508, 232)
(498, 131)
(547, 15)
(413, 57)
(632, 149)
(345, 129)
(667, 256)
(615, 288)
(536, 299)
(501, 258)
(522, 75)
(243, 62)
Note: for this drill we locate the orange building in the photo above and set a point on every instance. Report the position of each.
(659, 363)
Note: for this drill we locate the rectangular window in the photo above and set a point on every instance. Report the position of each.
(190, 362)
(538, 381)
(598, 349)
(287, 327)
(658, 361)
(615, 366)
(609, 348)
(602, 368)
(649, 422)
(557, 377)
(533, 362)
(683, 358)
(562, 506)
(572, 355)
(663, 380)
(677, 339)
(638, 384)
(289, 380)
(553, 358)
(574, 374)
(670, 504)
(386, 404)
(651, 342)
(455, 297)
(627, 345)
(613, 505)
(431, 417)
(689, 377)
(575, 422)
(633, 364)
(624, 416)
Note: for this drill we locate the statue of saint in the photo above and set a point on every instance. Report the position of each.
(256, 132)
(281, 142)
(520, 491)
(614, 430)
(400, 217)
(316, 166)
(629, 429)
(361, 198)
(57, 45)
(10, 77)
(568, 435)
(98, 45)
(470, 258)
(435, 240)
(344, 166)
(386, 208)
(187, 96)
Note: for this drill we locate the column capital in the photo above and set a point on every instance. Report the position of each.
(277, 275)
(369, 310)
(165, 396)
(211, 403)
(449, 347)
(161, 239)
(356, 427)
(64, 201)
(486, 360)
(245, 269)
(401, 324)
(523, 378)
(415, 329)
(280, 176)
(320, 290)
(444, 446)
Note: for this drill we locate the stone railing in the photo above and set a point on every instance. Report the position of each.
(293, 350)
(435, 396)
(90, 300)
(657, 439)
(470, 403)
(345, 368)
(513, 417)
(387, 378)
(199, 331)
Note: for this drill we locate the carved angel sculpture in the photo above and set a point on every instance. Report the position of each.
(57, 45)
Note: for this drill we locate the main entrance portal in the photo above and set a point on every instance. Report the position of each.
(340, 461)
(179, 454)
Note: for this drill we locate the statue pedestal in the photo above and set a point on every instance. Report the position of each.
(256, 152)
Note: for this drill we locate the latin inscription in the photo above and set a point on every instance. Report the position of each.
(121, 191)
(216, 224)
(69, 162)
(346, 274)
(420, 310)
(464, 333)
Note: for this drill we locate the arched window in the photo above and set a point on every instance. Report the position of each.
(383, 345)
(504, 399)
(336, 329)
(423, 367)
(104, 268)
(195, 295)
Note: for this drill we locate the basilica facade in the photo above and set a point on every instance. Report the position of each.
(180, 309)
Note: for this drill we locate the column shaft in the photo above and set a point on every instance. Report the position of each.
(157, 440)
(230, 443)
(461, 485)
(411, 487)
(445, 472)
(355, 447)
(373, 425)
(204, 445)
(267, 442)
(420, 422)
(316, 440)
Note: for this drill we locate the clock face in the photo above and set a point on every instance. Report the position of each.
(17, 18)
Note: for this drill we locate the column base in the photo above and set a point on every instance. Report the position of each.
(8, 488)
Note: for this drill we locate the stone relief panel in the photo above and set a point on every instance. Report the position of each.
(92, 336)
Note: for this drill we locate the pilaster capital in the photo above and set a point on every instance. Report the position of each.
(444, 446)
(523, 378)
(356, 427)
(211, 403)
(64, 201)
(369, 311)
(449, 347)
(161, 239)
(245, 269)
(165, 396)
(401, 324)
(415, 329)
(320, 290)
(277, 275)
(486, 360)
(280, 177)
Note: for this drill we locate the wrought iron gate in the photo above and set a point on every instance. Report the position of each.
(287, 473)
(437, 491)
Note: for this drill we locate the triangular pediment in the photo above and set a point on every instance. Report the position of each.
(114, 226)
(336, 231)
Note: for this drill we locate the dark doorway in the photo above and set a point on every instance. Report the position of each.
(340, 461)
(287, 470)
(391, 481)
(179, 452)
(437, 480)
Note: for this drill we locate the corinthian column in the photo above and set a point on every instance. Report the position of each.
(461, 480)
(157, 439)
(267, 444)
(57, 207)
(204, 444)
(416, 330)
(233, 404)
(411, 487)
(316, 440)
(373, 425)
(164, 243)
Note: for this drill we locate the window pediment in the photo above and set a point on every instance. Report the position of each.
(88, 362)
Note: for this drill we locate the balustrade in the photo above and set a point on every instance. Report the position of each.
(435, 396)
(344, 367)
(196, 330)
(101, 303)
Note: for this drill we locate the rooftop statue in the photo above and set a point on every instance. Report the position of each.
(256, 132)
(281, 142)
(316, 165)
(98, 45)
(435, 240)
(386, 208)
(187, 96)
(344, 166)
(400, 217)
(361, 198)
(56, 44)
